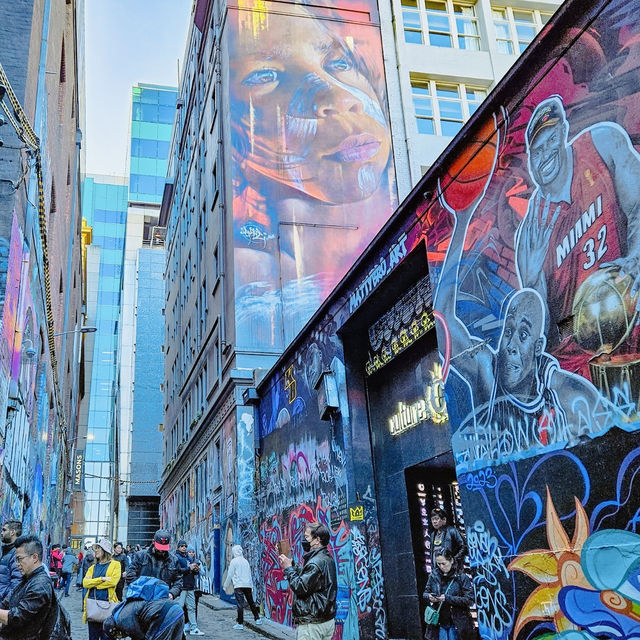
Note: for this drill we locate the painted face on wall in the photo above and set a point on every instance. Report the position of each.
(520, 344)
(307, 109)
(548, 153)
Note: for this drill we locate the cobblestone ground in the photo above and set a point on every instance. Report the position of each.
(216, 623)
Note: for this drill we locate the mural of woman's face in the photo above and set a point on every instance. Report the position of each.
(311, 116)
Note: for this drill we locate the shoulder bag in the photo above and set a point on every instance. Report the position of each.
(431, 615)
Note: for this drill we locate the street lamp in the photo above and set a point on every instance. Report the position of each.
(80, 330)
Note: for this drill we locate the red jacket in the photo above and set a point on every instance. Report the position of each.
(56, 559)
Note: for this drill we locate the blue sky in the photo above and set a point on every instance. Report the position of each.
(126, 42)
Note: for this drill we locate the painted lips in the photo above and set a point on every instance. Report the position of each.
(356, 149)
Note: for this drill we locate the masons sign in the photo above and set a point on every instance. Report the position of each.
(77, 471)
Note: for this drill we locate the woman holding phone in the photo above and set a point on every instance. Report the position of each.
(450, 593)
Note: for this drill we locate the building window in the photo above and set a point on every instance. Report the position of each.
(441, 108)
(453, 25)
(411, 21)
(449, 24)
(516, 28)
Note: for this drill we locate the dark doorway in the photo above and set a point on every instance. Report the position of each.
(431, 484)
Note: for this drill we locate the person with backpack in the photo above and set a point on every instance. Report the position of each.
(147, 613)
(32, 609)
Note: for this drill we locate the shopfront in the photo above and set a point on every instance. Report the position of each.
(392, 357)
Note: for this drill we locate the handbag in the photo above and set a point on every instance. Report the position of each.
(99, 610)
(431, 615)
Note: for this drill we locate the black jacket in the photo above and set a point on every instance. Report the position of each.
(147, 563)
(188, 575)
(459, 599)
(451, 542)
(122, 559)
(314, 587)
(10, 575)
(30, 607)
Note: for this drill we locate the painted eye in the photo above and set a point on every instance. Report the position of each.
(338, 65)
(261, 76)
(523, 335)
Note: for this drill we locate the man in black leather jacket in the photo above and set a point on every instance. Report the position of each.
(314, 586)
(31, 610)
(158, 562)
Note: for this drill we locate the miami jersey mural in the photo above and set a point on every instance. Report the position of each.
(534, 250)
(312, 171)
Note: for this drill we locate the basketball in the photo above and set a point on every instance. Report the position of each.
(604, 311)
(467, 175)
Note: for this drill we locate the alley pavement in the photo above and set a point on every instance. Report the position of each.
(215, 618)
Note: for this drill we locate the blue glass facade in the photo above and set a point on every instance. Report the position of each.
(146, 447)
(153, 111)
(104, 207)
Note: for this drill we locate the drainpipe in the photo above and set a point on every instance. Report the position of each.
(222, 205)
(72, 232)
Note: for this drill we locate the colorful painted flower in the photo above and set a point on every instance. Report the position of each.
(553, 569)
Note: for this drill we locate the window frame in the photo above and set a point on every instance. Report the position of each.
(462, 88)
(514, 41)
(454, 34)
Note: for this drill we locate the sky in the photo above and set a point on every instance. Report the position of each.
(126, 42)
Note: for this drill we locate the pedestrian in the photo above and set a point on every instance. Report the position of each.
(239, 575)
(314, 586)
(118, 554)
(31, 611)
(146, 620)
(81, 557)
(87, 561)
(10, 574)
(445, 538)
(68, 561)
(190, 570)
(100, 582)
(449, 594)
(157, 561)
(55, 564)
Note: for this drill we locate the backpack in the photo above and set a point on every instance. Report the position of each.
(147, 588)
(58, 623)
(62, 628)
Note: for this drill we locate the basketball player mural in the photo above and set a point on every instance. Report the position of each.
(582, 217)
(522, 399)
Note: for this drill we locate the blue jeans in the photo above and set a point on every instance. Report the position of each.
(95, 631)
(66, 581)
(447, 633)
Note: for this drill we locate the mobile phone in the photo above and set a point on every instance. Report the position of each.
(284, 548)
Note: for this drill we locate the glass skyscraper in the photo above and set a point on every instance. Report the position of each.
(153, 110)
(104, 206)
(141, 357)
